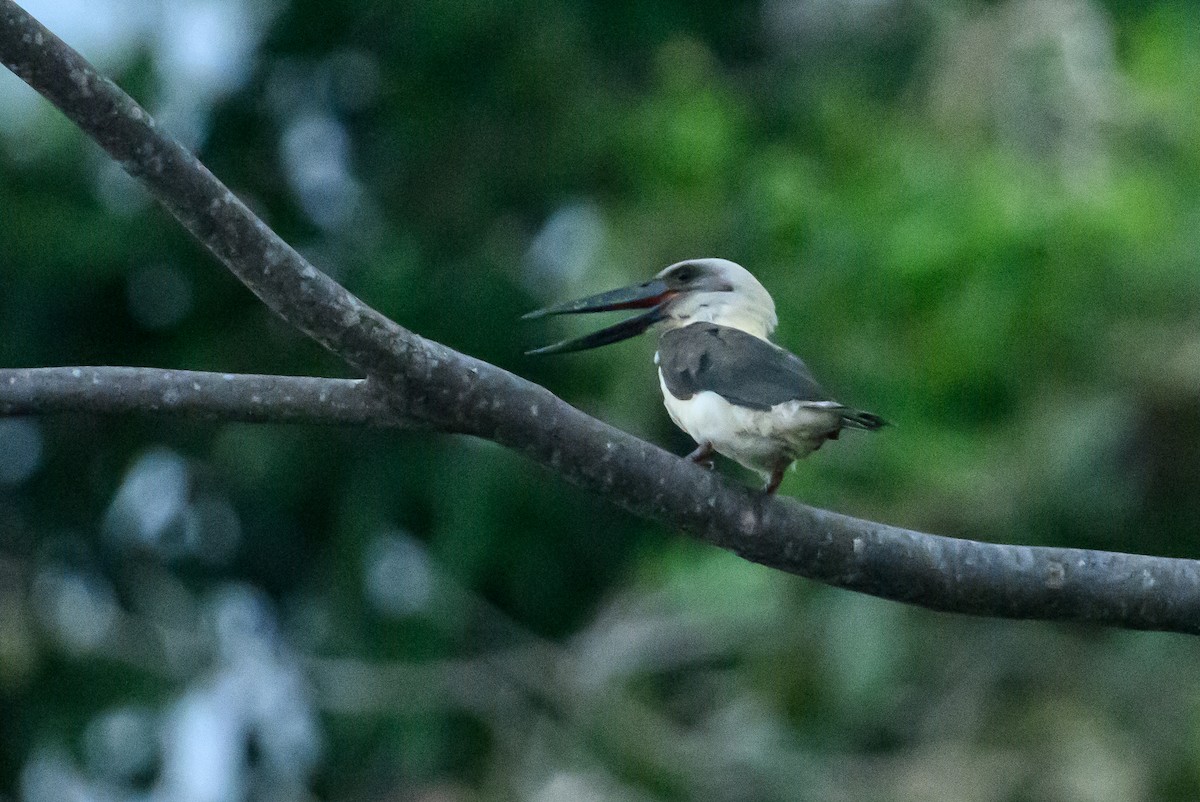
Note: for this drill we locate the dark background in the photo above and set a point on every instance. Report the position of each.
(979, 220)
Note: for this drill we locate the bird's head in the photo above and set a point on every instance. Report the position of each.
(692, 291)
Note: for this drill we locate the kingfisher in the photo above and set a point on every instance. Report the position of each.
(723, 381)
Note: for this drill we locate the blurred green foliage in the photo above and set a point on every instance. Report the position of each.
(977, 220)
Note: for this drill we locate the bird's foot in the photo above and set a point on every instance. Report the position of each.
(703, 455)
(776, 478)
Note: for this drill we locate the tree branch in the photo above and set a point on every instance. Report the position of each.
(208, 396)
(424, 380)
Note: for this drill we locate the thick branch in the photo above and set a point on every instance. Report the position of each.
(208, 396)
(454, 392)
(273, 270)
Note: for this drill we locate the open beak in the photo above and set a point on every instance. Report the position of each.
(651, 295)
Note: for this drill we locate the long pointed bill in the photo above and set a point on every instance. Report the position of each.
(613, 334)
(652, 295)
(639, 296)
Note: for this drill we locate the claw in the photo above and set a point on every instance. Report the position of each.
(776, 479)
(703, 455)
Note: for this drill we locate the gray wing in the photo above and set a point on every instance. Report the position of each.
(737, 366)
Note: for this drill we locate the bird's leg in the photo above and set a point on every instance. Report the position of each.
(703, 455)
(776, 478)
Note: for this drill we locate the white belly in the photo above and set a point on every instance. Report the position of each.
(758, 439)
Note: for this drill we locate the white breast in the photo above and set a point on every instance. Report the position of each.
(757, 439)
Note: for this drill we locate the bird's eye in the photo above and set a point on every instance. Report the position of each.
(685, 274)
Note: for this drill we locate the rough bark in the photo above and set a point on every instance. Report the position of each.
(195, 394)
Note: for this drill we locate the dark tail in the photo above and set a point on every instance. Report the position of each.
(856, 419)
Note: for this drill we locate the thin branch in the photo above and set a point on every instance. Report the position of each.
(208, 396)
(453, 392)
